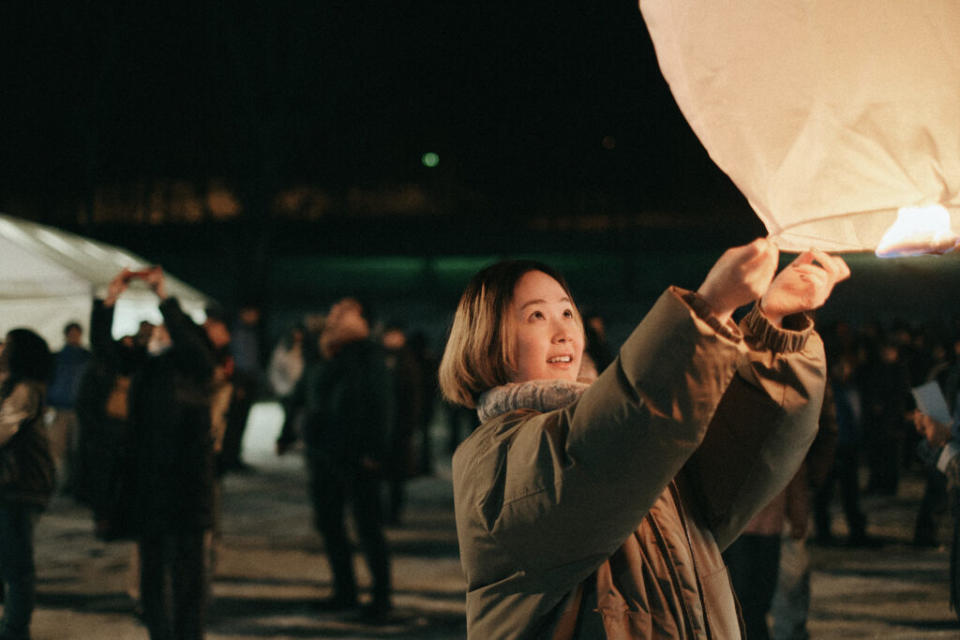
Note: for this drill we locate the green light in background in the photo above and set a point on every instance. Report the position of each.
(430, 159)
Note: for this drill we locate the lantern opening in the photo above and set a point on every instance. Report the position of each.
(918, 231)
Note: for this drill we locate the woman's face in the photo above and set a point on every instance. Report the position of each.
(548, 336)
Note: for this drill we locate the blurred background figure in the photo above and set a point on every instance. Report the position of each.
(247, 376)
(596, 355)
(221, 394)
(286, 362)
(27, 474)
(346, 399)
(218, 337)
(941, 444)
(845, 467)
(430, 392)
(885, 393)
(68, 366)
(174, 472)
(408, 403)
(790, 606)
(142, 336)
(935, 501)
(103, 478)
(286, 366)
(754, 558)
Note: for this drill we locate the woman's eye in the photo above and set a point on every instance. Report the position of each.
(536, 315)
(568, 313)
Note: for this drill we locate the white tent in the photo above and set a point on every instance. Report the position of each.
(49, 277)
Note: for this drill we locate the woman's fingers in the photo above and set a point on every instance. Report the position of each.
(740, 276)
(834, 265)
(804, 285)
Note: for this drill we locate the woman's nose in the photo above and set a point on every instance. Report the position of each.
(562, 333)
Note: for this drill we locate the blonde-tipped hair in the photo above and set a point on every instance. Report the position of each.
(479, 353)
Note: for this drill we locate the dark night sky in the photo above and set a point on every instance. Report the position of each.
(515, 97)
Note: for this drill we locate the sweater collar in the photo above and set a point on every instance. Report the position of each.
(539, 395)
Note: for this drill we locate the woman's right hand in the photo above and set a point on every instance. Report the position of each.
(740, 276)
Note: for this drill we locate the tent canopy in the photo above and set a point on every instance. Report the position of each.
(49, 277)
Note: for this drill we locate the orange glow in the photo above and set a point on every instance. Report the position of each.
(918, 231)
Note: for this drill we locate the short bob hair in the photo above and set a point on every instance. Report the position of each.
(480, 352)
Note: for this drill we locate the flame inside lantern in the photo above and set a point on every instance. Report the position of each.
(918, 231)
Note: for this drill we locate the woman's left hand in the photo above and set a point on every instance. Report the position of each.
(804, 285)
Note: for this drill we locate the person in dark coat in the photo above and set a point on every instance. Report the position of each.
(885, 392)
(104, 461)
(246, 379)
(174, 481)
(940, 448)
(408, 394)
(429, 391)
(26, 473)
(346, 399)
(846, 462)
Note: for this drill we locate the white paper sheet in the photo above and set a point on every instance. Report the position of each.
(930, 401)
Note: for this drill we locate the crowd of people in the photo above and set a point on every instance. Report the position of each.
(142, 430)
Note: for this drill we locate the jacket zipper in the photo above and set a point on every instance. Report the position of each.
(675, 492)
(662, 541)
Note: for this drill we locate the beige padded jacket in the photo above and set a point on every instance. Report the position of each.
(606, 518)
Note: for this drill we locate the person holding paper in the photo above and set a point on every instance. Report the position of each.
(945, 438)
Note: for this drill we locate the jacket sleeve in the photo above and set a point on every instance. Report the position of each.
(101, 325)
(561, 491)
(371, 403)
(193, 356)
(763, 426)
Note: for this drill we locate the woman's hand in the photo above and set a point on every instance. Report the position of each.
(740, 276)
(804, 285)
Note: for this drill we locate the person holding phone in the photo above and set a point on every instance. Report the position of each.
(172, 444)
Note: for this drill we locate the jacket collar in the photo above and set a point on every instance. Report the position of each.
(539, 395)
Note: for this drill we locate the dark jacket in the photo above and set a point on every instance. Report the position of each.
(614, 509)
(26, 465)
(103, 479)
(346, 406)
(408, 403)
(68, 366)
(170, 424)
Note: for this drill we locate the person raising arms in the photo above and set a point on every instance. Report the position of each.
(600, 510)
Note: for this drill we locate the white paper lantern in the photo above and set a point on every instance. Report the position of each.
(829, 115)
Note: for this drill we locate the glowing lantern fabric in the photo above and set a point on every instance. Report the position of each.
(829, 115)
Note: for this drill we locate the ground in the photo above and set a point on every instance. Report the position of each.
(271, 567)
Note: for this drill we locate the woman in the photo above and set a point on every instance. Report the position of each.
(26, 472)
(600, 510)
